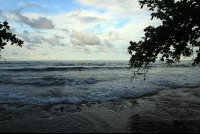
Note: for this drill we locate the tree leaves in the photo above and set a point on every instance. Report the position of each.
(6, 36)
(180, 29)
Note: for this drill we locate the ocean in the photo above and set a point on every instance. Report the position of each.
(71, 82)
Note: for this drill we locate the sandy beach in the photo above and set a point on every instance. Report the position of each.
(170, 110)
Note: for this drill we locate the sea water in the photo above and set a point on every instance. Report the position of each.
(54, 82)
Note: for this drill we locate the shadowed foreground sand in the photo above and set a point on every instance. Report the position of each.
(175, 110)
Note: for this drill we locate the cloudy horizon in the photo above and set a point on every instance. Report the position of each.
(74, 29)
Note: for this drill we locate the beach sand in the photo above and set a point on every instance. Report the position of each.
(170, 110)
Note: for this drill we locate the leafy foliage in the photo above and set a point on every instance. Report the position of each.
(180, 30)
(6, 36)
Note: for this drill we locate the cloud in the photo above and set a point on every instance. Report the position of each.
(39, 23)
(53, 41)
(110, 33)
(81, 49)
(11, 57)
(31, 46)
(108, 44)
(119, 8)
(59, 37)
(87, 38)
(100, 49)
(14, 53)
(84, 50)
(57, 7)
(124, 52)
(12, 30)
(74, 42)
(38, 39)
(1, 14)
(80, 20)
(66, 30)
(33, 4)
(115, 50)
(26, 32)
(44, 54)
(62, 44)
(51, 47)
(34, 39)
(91, 19)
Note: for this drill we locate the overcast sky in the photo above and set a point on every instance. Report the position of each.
(74, 29)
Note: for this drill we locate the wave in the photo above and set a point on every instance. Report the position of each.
(58, 96)
(46, 81)
(86, 89)
(183, 65)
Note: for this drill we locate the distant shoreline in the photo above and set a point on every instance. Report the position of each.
(78, 60)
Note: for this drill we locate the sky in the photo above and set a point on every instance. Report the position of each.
(74, 29)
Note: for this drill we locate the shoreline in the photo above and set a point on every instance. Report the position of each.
(169, 110)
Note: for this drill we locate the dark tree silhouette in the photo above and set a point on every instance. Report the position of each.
(6, 36)
(180, 30)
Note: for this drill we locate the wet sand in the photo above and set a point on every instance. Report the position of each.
(175, 110)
